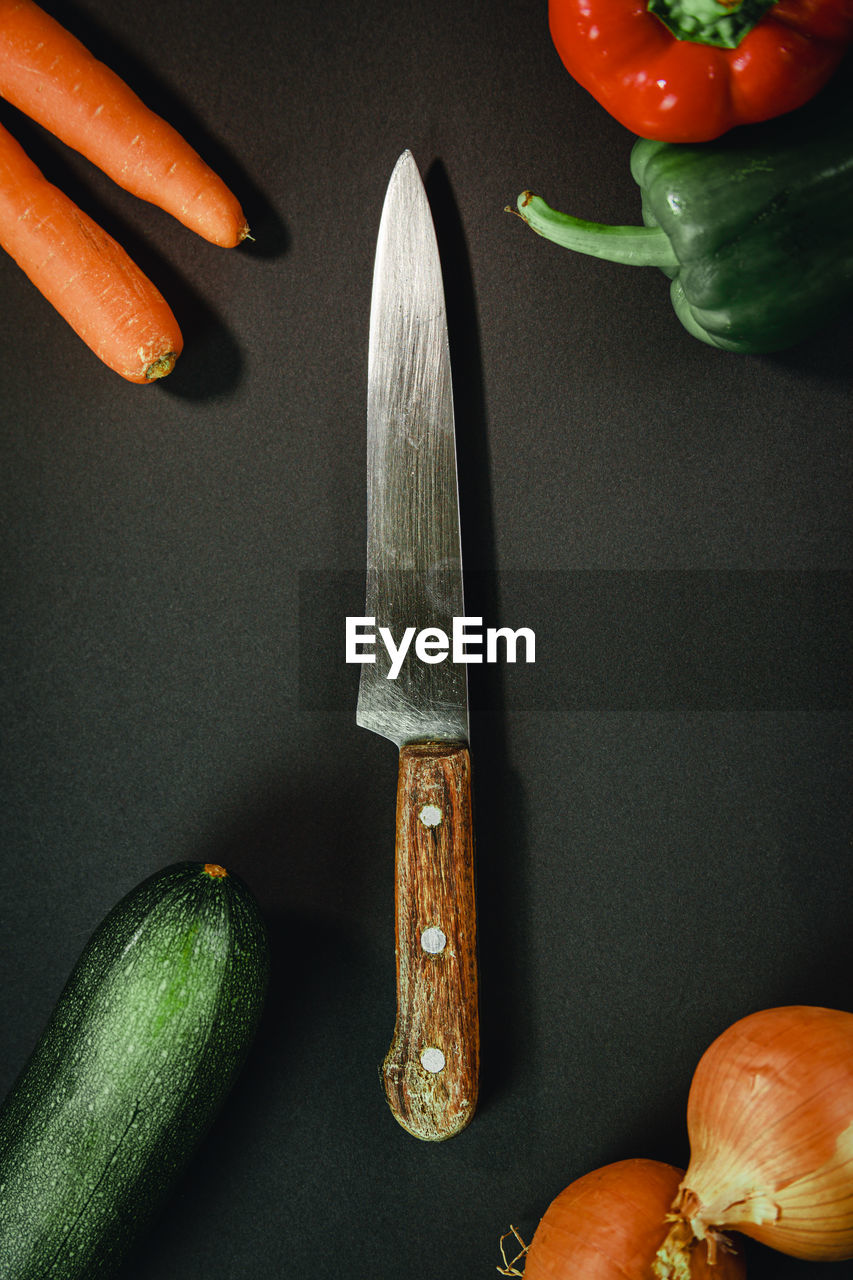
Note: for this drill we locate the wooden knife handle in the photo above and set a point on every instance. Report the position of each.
(431, 1073)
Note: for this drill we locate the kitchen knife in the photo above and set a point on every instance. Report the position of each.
(414, 580)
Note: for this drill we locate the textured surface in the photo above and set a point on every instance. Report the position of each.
(143, 1045)
(662, 799)
(432, 1071)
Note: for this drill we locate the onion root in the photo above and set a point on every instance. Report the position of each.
(509, 1268)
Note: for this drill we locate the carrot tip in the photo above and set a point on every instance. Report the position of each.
(161, 366)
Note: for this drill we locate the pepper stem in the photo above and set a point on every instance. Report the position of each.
(723, 23)
(634, 246)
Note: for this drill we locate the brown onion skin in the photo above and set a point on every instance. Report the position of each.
(609, 1225)
(769, 1101)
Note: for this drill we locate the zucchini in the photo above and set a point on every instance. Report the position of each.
(142, 1047)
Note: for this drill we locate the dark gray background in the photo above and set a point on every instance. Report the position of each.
(662, 800)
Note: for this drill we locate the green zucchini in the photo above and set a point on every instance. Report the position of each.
(142, 1047)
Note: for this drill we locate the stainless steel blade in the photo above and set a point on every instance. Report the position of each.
(414, 561)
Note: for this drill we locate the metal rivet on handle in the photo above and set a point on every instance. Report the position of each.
(433, 1060)
(430, 815)
(433, 940)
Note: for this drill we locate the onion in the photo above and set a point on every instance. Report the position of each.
(770, 1122)
(614, 1224)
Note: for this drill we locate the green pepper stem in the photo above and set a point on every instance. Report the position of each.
(634, 246)
(723, 23)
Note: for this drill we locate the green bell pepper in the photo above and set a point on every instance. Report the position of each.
(755, 230)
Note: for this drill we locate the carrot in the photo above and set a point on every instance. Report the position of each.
(49, 75)
(83, 272)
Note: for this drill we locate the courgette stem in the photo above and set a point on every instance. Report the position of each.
(633, 246)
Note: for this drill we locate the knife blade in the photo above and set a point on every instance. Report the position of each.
(414, 580)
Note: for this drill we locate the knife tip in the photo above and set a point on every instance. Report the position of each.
(406, 158)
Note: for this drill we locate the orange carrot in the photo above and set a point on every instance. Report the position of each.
(48, 74)
(87, 277)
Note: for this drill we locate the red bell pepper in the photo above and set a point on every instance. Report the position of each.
(689, 70)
